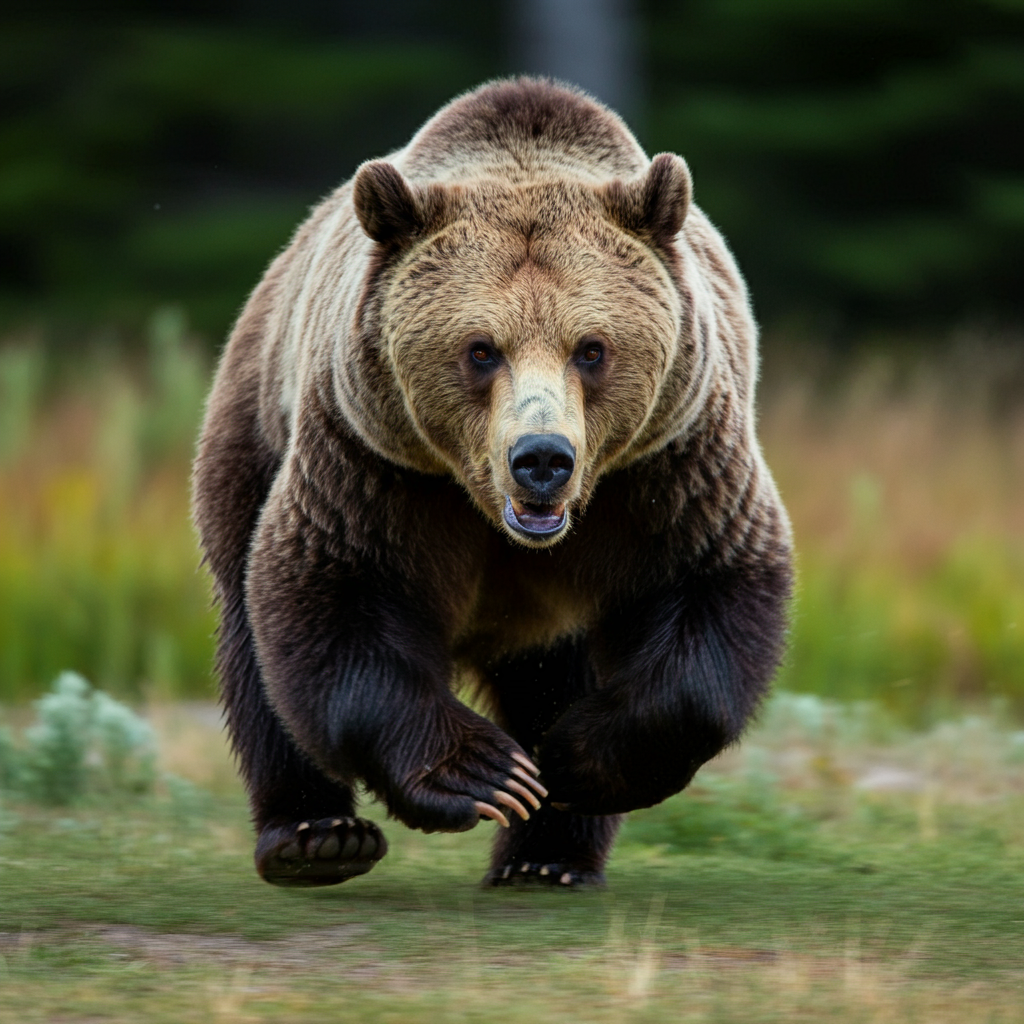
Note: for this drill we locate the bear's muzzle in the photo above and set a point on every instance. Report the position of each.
(542, 466)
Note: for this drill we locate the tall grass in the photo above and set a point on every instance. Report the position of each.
(904, 478)
(98, 564)
(905, 481)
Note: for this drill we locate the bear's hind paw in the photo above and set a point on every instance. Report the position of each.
(563, 876)
(323, 852)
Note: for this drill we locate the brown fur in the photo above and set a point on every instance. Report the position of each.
(353, 470)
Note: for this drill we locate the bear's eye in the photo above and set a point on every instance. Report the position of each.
(590, 353)
(481, 354)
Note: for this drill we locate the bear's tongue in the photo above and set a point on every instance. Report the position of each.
(536, 518)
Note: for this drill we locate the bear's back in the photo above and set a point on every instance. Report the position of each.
(523, 130)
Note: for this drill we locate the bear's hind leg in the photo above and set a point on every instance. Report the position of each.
(307, 833)
(321, 852)
(530, 690)
(553, 847)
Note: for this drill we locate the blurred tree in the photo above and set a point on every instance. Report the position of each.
(164, 152)
(591, 43)
(863, 156)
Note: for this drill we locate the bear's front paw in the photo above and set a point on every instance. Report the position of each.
(482, 778)
(324, 852)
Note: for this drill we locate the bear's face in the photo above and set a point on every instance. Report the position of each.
(530, 335)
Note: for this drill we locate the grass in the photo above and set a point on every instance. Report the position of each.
(901, 901)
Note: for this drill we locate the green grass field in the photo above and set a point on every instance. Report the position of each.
(829, 869)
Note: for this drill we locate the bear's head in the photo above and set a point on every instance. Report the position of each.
(533, 329)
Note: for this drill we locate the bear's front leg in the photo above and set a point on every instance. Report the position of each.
(679, 676)
(354, 666)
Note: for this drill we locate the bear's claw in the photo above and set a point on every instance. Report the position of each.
(526, 763)
(528, 873)
(322, 852)
(530, 780)
(486, 810)
(526, 794)
(512, 802)
(482, 774)
(490, 811)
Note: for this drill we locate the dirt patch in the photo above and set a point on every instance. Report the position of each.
(172, 949)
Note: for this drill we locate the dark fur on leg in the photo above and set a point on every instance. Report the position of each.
(286, 790)
(283, 784)
(684, 671)
(531, 691)
(356, 671)
(233, 476)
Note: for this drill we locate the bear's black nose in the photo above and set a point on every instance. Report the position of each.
(542, 463)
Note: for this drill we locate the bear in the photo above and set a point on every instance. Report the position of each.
(486, 427)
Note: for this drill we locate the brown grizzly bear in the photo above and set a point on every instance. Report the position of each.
(490, 416)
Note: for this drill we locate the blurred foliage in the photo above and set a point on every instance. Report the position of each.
(165, 155)
(744, 814)
(921, 642)
(98, 563)
(906, 497)
(904, 478)
(864, 158)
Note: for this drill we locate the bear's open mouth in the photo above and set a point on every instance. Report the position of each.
(534, 520)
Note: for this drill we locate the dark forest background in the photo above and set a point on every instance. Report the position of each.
(865, 158)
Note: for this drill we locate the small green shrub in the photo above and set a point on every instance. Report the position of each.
(83, 742)
(743, 815)
(187, 802)
(8, 760)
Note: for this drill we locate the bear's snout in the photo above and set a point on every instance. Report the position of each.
(542, 464)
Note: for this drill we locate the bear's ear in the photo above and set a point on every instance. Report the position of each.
(655, 205)
(385, 204)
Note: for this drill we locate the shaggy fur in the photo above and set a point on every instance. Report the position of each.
(353, 483)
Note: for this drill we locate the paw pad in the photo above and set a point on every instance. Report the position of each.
(322, 852)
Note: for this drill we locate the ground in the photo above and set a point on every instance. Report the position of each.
(820, 873)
